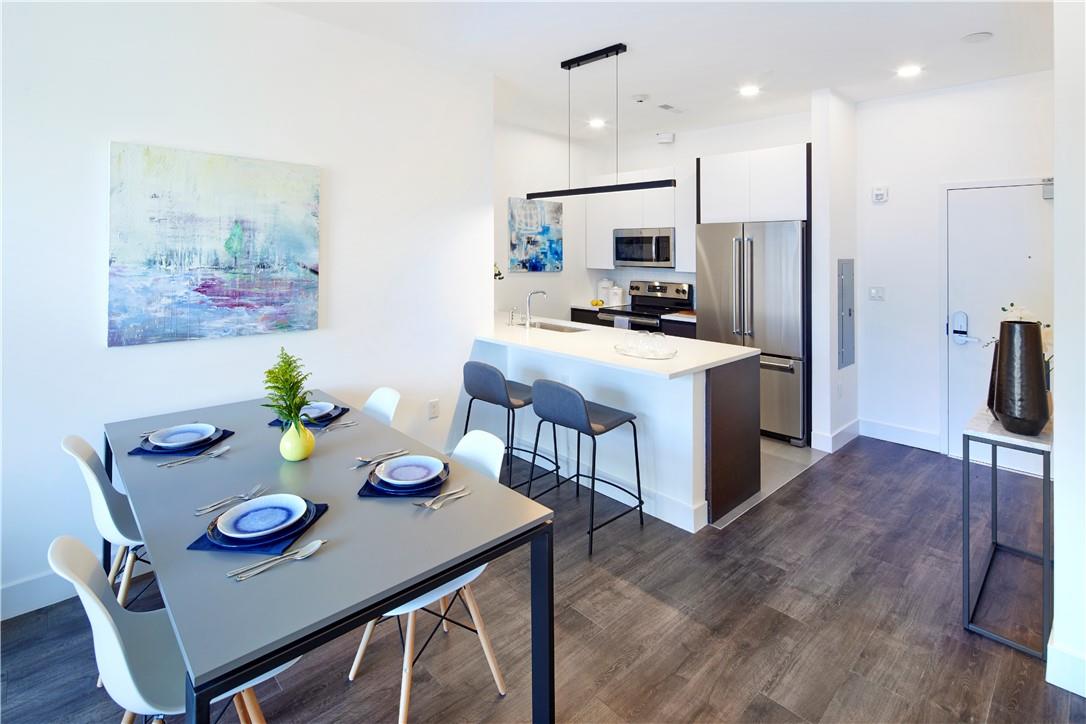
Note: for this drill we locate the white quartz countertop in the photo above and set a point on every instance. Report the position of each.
(597, 344)
(681, 317)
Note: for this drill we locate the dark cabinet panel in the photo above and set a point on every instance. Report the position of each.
(679, 329)
(733, 462)
(585, 316)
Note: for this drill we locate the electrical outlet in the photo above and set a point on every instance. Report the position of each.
(876, 294)
(433, 409)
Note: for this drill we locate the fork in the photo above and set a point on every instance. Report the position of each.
(258, 489)
(338, 425)
(212, 453)
(449, 499)
(378, 459)
(436, 498)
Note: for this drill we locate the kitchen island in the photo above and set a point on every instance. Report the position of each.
(697, 413)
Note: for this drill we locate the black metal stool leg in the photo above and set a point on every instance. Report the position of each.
(509, 440)
(535, 450)
(577, 479)
(467, 418)
(554, 438)
(592, 500)
(637, 471)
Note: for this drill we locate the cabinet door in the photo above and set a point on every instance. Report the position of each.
(627, 210)
(778, 184)
(725, 188)
(679, 329)
(599, 224)
(658, 207)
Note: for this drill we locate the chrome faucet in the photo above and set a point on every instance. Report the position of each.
(528, 304)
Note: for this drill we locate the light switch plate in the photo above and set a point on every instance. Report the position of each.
(876, 294)
(880, 194)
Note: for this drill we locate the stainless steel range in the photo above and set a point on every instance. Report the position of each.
(648, 302)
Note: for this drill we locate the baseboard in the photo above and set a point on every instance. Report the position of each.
(1066, 668)
(665, 508)
(923, 439)
(33, 592)
(832, 443)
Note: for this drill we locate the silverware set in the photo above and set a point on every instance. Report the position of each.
(378, 458)
(255, 569)
(206, 455)
(337, 426)
(257, 490)
(446, 497)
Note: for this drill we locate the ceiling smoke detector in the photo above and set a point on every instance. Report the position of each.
(669, 107)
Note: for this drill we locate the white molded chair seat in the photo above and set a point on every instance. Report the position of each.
(485, 453)
(381, 405)
(137, 654)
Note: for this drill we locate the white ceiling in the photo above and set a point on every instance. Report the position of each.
(696, 55)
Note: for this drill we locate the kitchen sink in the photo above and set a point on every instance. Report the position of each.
(556, 327)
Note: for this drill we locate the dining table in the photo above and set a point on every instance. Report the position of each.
(381, 552)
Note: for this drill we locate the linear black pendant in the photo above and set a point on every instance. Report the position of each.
(616, 49)
(611, 188)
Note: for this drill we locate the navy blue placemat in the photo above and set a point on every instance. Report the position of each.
(147, 448)
(369, 490)
(271, 549)
(337, 412)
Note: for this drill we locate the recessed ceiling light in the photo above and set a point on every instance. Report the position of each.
(597, 123)
(978, 37)
(909, 71)
(749, 91)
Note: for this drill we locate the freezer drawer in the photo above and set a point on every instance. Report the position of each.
(782, 396)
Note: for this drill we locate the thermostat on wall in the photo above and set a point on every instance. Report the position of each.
(880, 194)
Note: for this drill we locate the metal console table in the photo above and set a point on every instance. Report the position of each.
(986, 430)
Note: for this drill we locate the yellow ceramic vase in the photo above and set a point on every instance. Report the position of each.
(297, 443)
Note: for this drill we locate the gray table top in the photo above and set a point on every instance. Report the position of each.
(376, 547)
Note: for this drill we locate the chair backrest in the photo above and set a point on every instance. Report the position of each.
(487, 383)
(481, 451)
(113, 628)
(111, 510)
(561, 404)
(382, 405)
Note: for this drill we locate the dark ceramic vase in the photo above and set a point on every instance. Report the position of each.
(1019, 397)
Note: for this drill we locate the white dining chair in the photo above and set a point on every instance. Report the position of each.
(137, 654)
(381, 405)
(483, 452)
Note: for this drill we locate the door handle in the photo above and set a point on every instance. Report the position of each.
(958, 327)
(748, 304)
(790, 367)
(647, 321)
(737, 257)
(605, 317)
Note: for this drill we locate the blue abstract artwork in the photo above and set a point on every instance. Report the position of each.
(535, 236)
(204, 245)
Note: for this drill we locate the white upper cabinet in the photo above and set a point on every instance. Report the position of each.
(778, 183)
(624, 210)
(725, 188)
(658, 207)
(769, 184)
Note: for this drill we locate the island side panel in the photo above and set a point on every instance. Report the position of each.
(732, 435)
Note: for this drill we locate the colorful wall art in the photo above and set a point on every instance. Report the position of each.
(535, 236)
(203, 245)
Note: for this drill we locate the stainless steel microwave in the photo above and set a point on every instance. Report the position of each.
(645, 247)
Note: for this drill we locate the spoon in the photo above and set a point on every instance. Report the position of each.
(298, 555)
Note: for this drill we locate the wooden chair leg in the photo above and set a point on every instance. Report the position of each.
(252, 707)
(239, 707)
(129, 717)
(444, 610)
(158, 720)
(408, 666)
(126, 579)
(484, 639)
(116, 567)
(361, 650)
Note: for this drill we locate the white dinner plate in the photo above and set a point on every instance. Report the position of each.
(317, 410)
(262, 516)
(181, 435)
(409, 470)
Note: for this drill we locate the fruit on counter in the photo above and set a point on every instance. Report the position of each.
(597, 302)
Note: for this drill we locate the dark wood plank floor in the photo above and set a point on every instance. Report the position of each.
(838, 599)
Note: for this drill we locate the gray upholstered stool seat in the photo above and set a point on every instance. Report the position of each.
(487, 383)
(563, 405)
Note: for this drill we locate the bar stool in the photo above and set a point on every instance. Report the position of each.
(562, 405)
(487, 383)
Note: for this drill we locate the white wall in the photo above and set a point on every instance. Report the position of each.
(833, 237)
(914, 144)
(404, 144)
(1067, 644)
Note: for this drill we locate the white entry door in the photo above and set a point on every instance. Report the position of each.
(999, 250)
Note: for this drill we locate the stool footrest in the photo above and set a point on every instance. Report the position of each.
(628, 492)
(613, 518)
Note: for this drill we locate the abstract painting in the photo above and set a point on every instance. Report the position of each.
(535, 236)
(204, 245)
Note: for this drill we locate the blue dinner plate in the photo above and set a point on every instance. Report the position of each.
(433, 483)
(219, 538)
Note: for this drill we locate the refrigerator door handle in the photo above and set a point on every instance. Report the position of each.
(737, 255)
(748, 287)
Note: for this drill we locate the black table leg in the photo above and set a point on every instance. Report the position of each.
(967, 592)
(107, 547)
(197, 706)
(543, 626)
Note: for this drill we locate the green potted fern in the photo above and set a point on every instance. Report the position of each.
(285, 386)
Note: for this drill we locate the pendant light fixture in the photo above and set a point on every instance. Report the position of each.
(568, 66)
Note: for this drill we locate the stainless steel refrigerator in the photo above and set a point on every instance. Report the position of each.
(751, 291)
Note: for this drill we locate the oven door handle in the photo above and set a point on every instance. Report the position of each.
(605, 317)
(647, 321)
